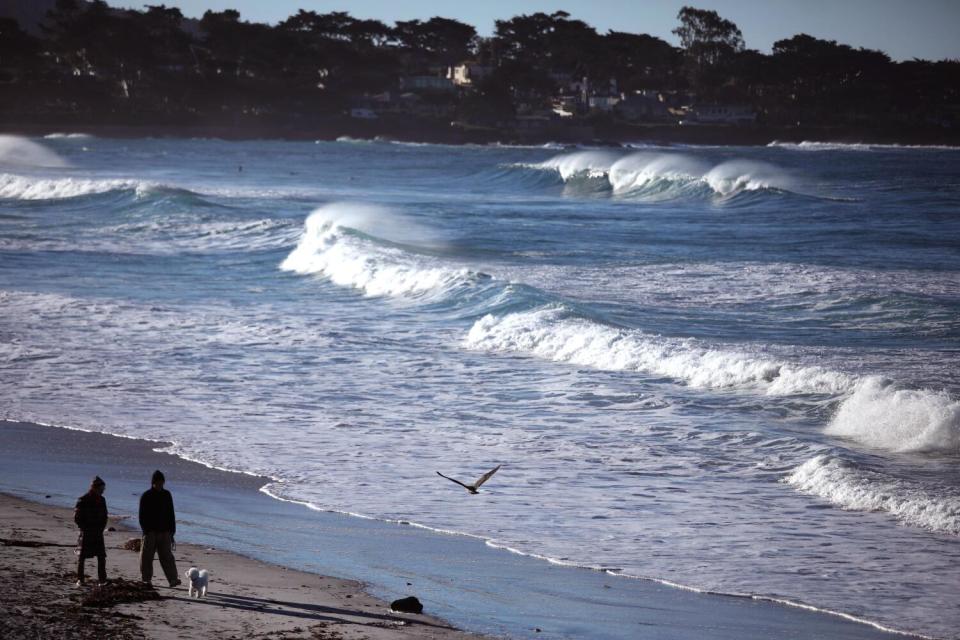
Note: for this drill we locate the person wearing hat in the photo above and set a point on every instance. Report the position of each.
(90, 514)
(159, 525)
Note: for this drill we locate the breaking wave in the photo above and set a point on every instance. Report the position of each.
(847, 485)
(357, 246)
(666, 175)
(15, 187)
(872, 411)
(555, 334)
(880, 415)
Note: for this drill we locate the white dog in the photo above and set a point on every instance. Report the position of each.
(196, 582)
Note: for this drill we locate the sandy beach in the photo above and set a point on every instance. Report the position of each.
(247, 598)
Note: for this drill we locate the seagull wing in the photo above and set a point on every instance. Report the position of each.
(486, 476)
(453, 480)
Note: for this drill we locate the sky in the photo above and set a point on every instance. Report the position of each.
(904, 29)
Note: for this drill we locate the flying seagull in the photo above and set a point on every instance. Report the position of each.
(472, 488)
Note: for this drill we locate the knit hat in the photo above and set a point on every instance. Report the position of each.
(157, 477)
(98, 482)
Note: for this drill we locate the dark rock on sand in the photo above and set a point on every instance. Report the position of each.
(409, 604)
(133, 544)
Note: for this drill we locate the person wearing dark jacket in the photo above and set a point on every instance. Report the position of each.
(90, 514)
(159, 525)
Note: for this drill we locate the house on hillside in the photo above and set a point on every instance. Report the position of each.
(604, 104)
(467, 74)
(643, 105)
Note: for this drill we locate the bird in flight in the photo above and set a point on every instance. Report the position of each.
(472, 488)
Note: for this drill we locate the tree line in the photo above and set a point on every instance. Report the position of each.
(89, 57)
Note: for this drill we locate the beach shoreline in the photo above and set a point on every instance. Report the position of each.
(247, 598)
(525, 598)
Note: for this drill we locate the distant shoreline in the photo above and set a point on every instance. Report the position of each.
(431, 131)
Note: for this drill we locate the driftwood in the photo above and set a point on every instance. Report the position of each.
(13, 542)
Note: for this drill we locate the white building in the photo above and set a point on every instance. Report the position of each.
(468, 73)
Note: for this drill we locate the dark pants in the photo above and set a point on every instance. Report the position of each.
(159, 543)
(101, 568)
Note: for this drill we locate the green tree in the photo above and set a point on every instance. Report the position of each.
(442, 40)
(640, 61)
(827, 81)
(550, 42)
(710, 45)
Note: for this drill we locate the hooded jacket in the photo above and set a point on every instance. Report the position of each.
(90, 514)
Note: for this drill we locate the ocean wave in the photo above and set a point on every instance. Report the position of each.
(175, 235)
(22, 152)
(664, 175)
(18, 187)
(380, 140)
(808, 145)
(593, 163)
(351, 245)
(553, 333)
(879, 414)
(872, 411)
(215, 327)
(845, 484)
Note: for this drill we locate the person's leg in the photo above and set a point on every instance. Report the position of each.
(164, 550)
(147, 549)
(79, 569)
(102, 568)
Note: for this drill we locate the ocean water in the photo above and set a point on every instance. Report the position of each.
(728, 369)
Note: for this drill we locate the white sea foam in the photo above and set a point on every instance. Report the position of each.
(879, 414)
(665, 174)
(549, 334)
(846, 485)
(331, 247)
(17, 187)
(348, 139)
(21, 152)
